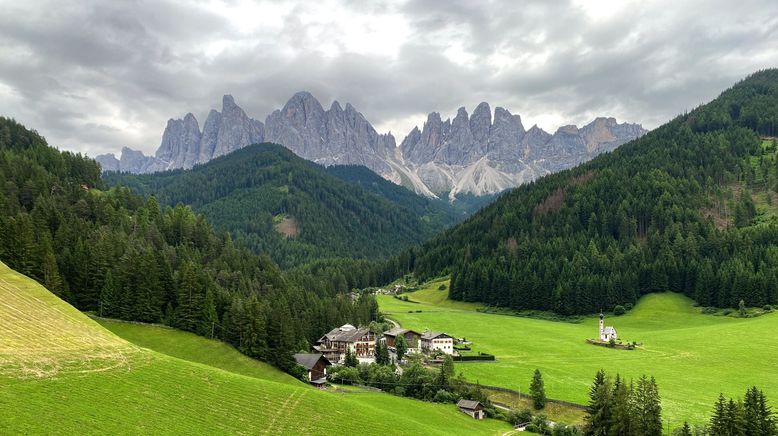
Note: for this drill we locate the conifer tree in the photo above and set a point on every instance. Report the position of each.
(598, 412)
(537, 391)
(401, 347)
(718, 422)
(351, 359)
(622, 410)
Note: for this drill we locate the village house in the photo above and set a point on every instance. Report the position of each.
(361, 342)
(606, 333)
(472, 408)
(412, 338)
(431, 341)
(316, 364)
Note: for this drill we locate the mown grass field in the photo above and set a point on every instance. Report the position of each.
(692, 356)
(62, 373)
(188, 346)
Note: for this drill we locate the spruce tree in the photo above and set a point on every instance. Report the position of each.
(537, 390)
(647, 408)
(351, 359)
(718, 422)
(401, 347)
(685, 430)
(598, 412)
(622, 410)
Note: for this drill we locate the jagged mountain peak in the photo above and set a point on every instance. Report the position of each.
(482, 152)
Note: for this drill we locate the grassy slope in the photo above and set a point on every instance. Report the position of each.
(56, 359)
(188, 346)
(692, 356)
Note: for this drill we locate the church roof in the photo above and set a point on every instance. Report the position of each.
(610, 330)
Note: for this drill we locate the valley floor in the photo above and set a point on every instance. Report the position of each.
(693, 356)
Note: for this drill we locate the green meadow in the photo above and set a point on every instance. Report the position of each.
(693, 356)
(63, 373)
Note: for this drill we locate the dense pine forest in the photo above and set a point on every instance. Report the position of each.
(118, 255)
(274, 202)
(690, 207)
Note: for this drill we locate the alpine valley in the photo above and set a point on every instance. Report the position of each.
(302, 273)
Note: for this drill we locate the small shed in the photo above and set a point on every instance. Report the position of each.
(472, 408)
(316, 364)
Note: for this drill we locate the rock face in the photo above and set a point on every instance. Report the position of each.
(184, 146)
(333, 136)
(482, 153)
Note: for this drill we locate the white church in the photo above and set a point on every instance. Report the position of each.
(607, 333)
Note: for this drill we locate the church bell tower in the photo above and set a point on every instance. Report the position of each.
(602, 325)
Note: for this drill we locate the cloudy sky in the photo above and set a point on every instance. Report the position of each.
(94, 76)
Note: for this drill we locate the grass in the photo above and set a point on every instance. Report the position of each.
(692, 356)
(63, 373)
(188, 346)
(554, 412)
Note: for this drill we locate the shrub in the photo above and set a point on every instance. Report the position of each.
(768, 308)
(443, 396)
(519, 417)
(727, 312)
(709, 310)
(628, 306)
(442, 287)
(619, 310)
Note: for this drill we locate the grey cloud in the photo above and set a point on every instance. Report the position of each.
(94, 76)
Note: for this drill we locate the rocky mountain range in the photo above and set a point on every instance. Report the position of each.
(482, 153)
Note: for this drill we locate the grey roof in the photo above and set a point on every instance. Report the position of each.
(339, 335)
(468, 404)
(396, 331)
(432, 335)
(610, 330)
(308, 360)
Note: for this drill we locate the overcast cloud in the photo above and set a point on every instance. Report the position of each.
(93, 76)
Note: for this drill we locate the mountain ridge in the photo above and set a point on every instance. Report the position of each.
(483, 153)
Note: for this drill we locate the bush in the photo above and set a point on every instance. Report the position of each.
(709, 310)
(443, 396)
(519, 417)
(727, 312)
(346, 375)
(619, 310)
(767, 308)
(628, 306)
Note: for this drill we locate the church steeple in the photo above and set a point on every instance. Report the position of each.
(602, 326)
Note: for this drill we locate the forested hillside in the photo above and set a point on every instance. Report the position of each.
(690, 207)
(111, 252)
(294, 210)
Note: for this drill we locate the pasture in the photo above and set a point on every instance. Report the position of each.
(89, 381)
(693, 356)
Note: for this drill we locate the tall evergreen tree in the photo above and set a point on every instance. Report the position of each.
(598, 411)
(537, 391)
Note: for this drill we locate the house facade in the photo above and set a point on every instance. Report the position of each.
(472, 408)
(316, 364)
(412, 338)
(360, 341)
(432, 341)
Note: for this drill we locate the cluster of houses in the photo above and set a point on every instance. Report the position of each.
(361, 342)
(331, 349)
